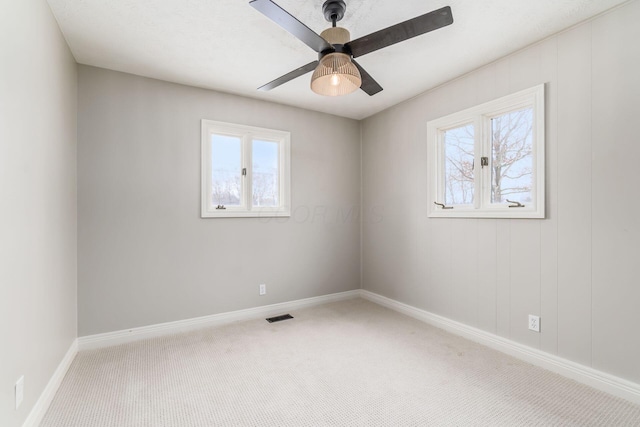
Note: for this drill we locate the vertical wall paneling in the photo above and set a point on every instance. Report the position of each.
(549, 227)
(418, 263)
(615, 203)
(574, 194)
(464, 271)
(577, 268)
(486, 278)
(525, 279)
(503, 278)
(503, 71)
(524, 68)
(485, 83)
(440, 253)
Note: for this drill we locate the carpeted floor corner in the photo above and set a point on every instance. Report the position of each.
(350, 363)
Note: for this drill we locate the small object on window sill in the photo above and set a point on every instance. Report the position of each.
(220, 207)
(517, 204)
(443, 206)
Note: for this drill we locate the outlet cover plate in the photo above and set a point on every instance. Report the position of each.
(263, 289)
(534, 323)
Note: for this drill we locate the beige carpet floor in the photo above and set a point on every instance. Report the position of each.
(350, 363)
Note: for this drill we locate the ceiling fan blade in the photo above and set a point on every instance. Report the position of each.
(291, 24)
(402, 31)
(369, 86)
(290, 76)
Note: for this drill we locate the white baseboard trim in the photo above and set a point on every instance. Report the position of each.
(108, 339)
(584, 374)
(40, 408)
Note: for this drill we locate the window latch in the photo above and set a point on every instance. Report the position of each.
(484, 161)
(442, 205)
(220, 207)
(244, 171)
(516, 205)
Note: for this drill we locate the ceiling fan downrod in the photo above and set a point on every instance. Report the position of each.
(333, 10)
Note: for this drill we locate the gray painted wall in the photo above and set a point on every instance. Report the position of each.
(38, 100)
(578, 269)
(145, 256)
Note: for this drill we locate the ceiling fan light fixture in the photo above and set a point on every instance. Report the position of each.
(336, 75)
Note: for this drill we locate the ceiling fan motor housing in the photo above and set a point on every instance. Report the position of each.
(338, 38)
(336, 35)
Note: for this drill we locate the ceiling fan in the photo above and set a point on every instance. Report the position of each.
(336, 72)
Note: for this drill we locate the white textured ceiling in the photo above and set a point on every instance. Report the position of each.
(228, 46)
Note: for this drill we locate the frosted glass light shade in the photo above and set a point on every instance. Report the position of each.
(335, 75)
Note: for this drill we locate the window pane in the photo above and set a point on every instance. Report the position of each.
(265, 184)
(226, 170)
(512, 157)
(459, 154)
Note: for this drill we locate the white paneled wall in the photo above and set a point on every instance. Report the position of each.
(615, 182)
(574, 194)
(578, 268)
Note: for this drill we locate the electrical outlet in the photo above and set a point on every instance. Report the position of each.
(534, 323)
(19, 391)
(263, 289)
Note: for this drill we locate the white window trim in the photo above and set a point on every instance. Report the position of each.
(247, 133)
(481, 116)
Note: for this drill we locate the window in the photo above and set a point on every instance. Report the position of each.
(245, 171)
(488, 161)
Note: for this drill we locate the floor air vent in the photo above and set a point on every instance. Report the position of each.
(279, 318)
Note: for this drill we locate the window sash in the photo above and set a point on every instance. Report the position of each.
(251, 180)
(487, 177)
(441, 165)
(211, 205)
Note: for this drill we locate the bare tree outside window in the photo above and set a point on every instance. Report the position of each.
(265, 189)
(225, 188)
(459, 155)
(511, 162)
(512, 156)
